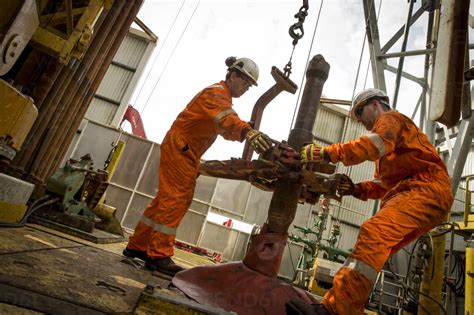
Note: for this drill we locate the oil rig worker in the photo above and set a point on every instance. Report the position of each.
(410, 179)
(207, 115)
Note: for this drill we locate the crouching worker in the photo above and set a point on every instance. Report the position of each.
(412, 183)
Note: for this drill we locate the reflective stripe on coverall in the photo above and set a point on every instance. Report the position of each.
(416, 197)
(208, 114)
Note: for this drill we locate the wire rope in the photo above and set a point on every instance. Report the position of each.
(347, 120)
(366, 74)
(114, 144)
(159, 51)
(170, 56)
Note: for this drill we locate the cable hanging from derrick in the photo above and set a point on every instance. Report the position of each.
(159, 52)
(347, 120)
(346, 124)
(114, 144)
(170, 56)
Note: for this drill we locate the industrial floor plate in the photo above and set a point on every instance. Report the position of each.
(54, 273)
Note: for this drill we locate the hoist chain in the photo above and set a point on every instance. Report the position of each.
(287, 68)
(296, 32)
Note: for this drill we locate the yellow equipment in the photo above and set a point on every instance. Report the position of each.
(469, 292)
(79, 21)
(106, 213)
(432, 282)
(16, 120)
(466, 229)
(322, 275)
(18, 116)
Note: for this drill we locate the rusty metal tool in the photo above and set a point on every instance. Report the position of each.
(283, 83)
(275, 164)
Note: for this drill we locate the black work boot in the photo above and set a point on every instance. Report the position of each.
(164, 265)
(133, 253)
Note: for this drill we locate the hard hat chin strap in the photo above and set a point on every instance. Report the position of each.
(385, 104)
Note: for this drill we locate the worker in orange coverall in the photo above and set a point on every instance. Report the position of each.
(207, 115)
(410, 179)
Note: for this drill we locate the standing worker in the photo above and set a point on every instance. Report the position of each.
(412, 182)
(208, 114)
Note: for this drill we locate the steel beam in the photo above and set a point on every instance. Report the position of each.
(461, 149)
(406, 75)
(402, 58)
(408, 53)
(400, 32)
(378, 65)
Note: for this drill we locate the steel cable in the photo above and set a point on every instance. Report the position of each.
(170, 56)
(159, 52)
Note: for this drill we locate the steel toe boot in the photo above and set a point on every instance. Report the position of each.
(164, 265)
(133, 253)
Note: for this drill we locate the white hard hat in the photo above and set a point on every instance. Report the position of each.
(247, 67)
(363, 97)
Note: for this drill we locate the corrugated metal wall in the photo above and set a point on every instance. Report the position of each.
(114, 93)
(330, 127)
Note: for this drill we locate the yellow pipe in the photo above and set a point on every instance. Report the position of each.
(469, 286)
(112, 166)
(430, 289)
(467, 202)
(115, 158)
(105, 212)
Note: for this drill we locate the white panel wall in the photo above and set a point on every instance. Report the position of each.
(114, 93)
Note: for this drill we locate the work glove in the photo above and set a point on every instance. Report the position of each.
(311, 153)
(259, 141)
(345, 186)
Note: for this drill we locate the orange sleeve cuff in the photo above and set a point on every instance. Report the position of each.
(370, 190)
(353, 152)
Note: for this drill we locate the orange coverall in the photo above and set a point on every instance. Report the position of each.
(208, 114)
(415, 190)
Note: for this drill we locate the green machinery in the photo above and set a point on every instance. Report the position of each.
(81, 207)
(312, 269)
(79, 185)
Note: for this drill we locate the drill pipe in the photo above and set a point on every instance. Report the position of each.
(284, 201)
(33, 141)
(39, 170)
(48, 116)
(73, 115)
(122, 25)
(46, 81)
